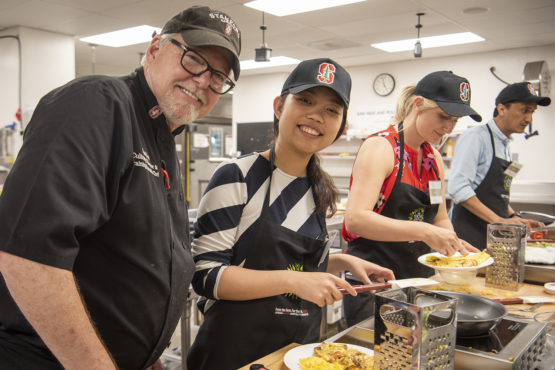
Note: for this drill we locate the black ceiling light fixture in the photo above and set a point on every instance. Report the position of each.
(417, 46)
(93, 58)
(263, 53)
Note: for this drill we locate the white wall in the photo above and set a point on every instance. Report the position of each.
(9, 66)
(254, 94)
(47, 61)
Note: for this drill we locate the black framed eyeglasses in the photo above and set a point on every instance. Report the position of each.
(196, 64)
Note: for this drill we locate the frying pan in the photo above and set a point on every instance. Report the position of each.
(476, 315)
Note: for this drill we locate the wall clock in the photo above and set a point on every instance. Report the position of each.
(384, 83)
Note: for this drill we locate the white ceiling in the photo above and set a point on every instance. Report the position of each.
(349, 29)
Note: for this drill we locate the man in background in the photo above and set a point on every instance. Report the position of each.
(94, 244)
(482, 170)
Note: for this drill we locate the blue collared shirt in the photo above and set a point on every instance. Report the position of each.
(472, 159)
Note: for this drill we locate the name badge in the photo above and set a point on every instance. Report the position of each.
(513, 169)
(435, 192)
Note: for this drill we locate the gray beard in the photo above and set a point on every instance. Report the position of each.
(176, 116)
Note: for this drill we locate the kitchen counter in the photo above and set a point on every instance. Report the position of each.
(274, 361)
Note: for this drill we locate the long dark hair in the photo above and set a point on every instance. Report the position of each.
(323, 188)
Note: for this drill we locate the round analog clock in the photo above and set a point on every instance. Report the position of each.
(384, 83)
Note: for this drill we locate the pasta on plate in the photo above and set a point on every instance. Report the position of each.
(336, 356)
(471, 260)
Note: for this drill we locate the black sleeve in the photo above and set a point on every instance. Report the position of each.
(63, 183)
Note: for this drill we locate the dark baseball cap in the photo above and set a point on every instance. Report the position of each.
(521, 92)
(319, 72)
(450, 92)
(202, 26)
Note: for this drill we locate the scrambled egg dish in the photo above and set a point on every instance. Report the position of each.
(335, 356)
(471, 260)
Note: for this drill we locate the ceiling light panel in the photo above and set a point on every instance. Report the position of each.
(429, 42)
(128, 36)
(274, 62)
(288, 7)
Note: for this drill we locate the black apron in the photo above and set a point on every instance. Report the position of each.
(235, 333)
(405, 203)
(494, 192)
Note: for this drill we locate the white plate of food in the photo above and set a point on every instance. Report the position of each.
(457, 262)
(293, 356)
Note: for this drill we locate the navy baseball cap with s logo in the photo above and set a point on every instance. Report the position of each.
(319, 72)
(450, 92)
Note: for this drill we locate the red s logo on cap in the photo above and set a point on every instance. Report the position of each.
(465, 91)
(326, 73)
(531, 88)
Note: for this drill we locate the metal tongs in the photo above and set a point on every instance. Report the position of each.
(542, 217)
(538, 216)
(545, 228)
(368, 287)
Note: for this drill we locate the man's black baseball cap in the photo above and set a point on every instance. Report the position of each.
(319, 72)
(520, 92)
(202, 26)
(450, 92)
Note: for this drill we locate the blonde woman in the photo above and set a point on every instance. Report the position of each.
(396, 208)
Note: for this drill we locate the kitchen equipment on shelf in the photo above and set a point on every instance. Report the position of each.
(476, 315)
(506, 244)
(407, 332)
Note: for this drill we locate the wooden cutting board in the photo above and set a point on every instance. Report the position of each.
(478, 287)
(273, 361)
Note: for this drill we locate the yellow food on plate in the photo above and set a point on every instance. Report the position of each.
(317, 363)
(337, 356)
(471, 260)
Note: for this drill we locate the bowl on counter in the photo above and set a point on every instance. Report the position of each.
(455, 275)
(549, 287)
(458, 277)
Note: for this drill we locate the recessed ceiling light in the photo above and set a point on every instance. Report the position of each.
(475, 10)
(429, 42)
(332, 44)
(127, 36)
(273, 62)
(288, 7)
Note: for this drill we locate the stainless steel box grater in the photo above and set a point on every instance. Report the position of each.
(414, 329)
(506, 244)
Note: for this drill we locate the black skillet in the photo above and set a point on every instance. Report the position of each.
(475, 315)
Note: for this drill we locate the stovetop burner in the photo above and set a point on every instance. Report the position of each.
(512, 344)
(496, 339)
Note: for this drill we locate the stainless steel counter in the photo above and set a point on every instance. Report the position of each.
(538, 273)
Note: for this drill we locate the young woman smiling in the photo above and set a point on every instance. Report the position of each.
(262, 264)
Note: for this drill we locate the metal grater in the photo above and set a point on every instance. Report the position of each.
(521, 352)
(414, 329)
(506, 245)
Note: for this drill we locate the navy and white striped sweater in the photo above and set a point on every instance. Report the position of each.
(228, 212)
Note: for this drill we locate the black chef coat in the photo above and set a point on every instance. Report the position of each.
(87, 193)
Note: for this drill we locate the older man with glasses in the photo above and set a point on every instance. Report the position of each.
(94, 248)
